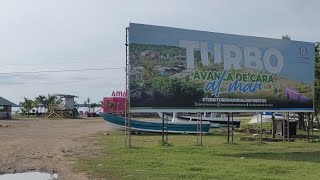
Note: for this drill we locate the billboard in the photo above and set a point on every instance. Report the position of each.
(178, 70)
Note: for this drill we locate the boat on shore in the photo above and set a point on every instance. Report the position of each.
(267, 117)
(215, 120)
(156, 126)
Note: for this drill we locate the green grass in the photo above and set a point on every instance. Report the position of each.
(216, 159)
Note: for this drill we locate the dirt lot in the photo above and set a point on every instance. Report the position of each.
(46, 144)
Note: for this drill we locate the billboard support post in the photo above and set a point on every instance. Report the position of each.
(127, 114)
(308, 125)
(232, 128)
(283, 130)
(167, 141)
(288, 123)
(162, 128)
(261, 128)
(127, 99)
(228, 127)
(312, 127)
(200, 129)
(198, 133)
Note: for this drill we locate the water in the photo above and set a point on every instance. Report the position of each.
(29, 176)
(14, 109)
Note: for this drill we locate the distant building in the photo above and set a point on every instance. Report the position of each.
(148, 53)
(5, 108)
(68, 101)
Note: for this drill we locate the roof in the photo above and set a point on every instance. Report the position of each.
(4, 102)
(65, 95)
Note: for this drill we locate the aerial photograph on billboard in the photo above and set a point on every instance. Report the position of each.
(173, 69)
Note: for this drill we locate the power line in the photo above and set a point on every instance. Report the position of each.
(57, 71)
(62, 63)
(49, 83)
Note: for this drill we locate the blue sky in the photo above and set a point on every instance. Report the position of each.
(39, 35)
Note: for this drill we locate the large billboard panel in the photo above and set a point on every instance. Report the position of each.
(178, 70)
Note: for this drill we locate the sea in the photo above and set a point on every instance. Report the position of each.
(16, 110)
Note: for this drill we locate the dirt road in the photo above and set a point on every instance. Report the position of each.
(45, 144)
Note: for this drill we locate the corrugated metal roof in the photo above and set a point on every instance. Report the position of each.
(4, 102)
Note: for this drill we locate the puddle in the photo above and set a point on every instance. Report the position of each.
(29, 176)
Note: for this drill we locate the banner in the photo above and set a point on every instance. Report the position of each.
(178, 70)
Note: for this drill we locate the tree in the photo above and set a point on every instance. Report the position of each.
(27, 105)
(286, 37)
(148, 72)
(40, 100)
(87, 104)
(50, 101)
(178, 92)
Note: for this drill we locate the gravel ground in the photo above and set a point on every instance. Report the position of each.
(46, 145)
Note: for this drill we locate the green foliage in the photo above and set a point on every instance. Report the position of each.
(50, 101)
(214, 160)
(27, 105)
(179, 92)
(148, 72)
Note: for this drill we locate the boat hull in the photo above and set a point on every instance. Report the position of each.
(157, 126)
(214, 121)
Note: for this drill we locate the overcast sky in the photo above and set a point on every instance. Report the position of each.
(46, 35)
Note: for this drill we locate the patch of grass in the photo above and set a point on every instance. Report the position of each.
(183, 159)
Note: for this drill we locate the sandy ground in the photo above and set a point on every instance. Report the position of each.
(46, 145)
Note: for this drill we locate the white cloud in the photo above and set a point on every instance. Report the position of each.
(57, 34)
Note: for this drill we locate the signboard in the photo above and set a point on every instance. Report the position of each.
(178, 70)
(119, 94)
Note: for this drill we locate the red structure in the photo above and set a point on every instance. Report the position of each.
(115, 104)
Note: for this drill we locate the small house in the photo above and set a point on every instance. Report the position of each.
(5, 108)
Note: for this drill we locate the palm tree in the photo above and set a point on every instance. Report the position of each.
(40, 101)
(87, 104)
(50, 101)
(27, 105)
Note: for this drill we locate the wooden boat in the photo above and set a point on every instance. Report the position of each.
(183, 127)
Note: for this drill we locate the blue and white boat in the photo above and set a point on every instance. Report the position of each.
(183, 127)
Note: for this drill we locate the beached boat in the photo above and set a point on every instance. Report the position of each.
(215, 120)
(266, 117)
(156, 126)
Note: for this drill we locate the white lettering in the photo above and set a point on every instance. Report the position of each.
(217, 53)
(204, 53)
(232, 56)
(190, 47)
(252, 58)
(267, 64)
